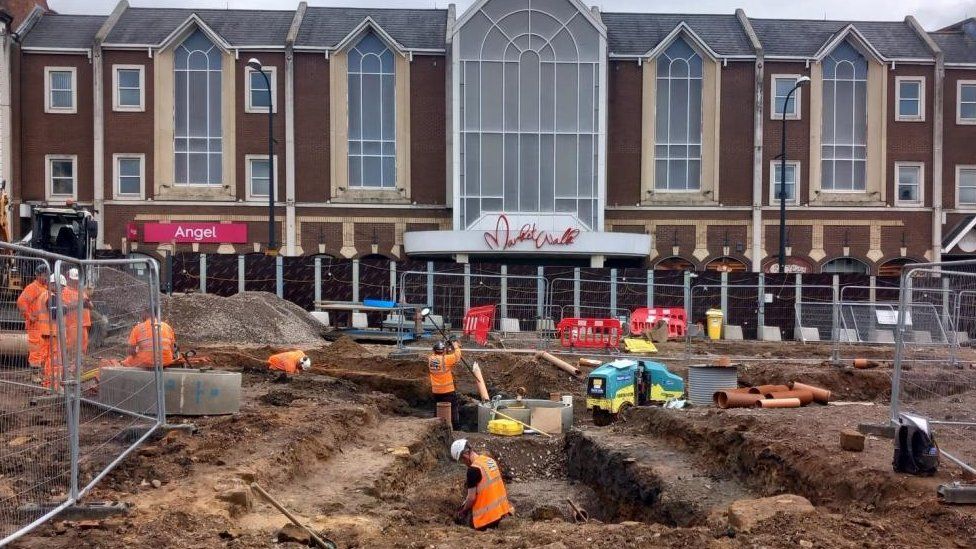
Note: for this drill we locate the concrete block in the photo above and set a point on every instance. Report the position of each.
(882, 336)
(543, 324)
(732, 333)
(809, 334)
(360, 321)
(922, 336)
(961, 338)
(848, 335)
(770, 333)
(509, 325)
(852, 441)
(321, 316)
(240, 497)
(189, 392)
(744, 514)
(883, 430)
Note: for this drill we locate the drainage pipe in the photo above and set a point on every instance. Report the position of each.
(778, 403)
(558, 363)
(820, 395)
(730, 399)
(806, 397)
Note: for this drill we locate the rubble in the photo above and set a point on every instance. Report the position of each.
(250, 318)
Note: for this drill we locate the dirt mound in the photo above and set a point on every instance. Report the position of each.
(257, 318)
(345, 346)
(507, 372)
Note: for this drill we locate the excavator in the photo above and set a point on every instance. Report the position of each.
(65, 230)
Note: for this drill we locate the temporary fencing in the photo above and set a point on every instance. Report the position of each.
(60, 430)
(934, 378)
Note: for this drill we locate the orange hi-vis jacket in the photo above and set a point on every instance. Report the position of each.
(26, 304)
(286, 362)
(141, 338)
(70, 297)
(491, 500)
(442, 371)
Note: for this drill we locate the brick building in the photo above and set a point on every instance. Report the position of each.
(514, 131)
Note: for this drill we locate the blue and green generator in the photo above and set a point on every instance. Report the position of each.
(627, 382)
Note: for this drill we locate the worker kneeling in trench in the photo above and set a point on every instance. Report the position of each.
(141, 343)
(289, 363)
(487, 502)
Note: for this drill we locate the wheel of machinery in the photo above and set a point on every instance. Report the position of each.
(602, 418)
(623, 414)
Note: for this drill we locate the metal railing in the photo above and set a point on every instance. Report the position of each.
(58, 435)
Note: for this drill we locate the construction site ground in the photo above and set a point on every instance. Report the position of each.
(352, 447)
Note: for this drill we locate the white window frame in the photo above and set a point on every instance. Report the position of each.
(248, 158)
(797, 98)
(774, 166)
(48, 108)
(688, 159)
(920, 117)
(116, 106)
(273, 77)
(49, 181)
(959, 119)
(921, 183)
(117, 187)
(959, 169)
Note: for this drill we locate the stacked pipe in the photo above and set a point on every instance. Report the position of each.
(791, 395)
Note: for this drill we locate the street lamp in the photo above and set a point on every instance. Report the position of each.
(254, 64)
(782, 177)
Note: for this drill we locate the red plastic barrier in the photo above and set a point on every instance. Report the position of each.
(589, 333)
(478, 321)
(645, 318)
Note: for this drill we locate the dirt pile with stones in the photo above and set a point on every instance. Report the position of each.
(250, 318)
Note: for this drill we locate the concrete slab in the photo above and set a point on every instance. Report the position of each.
(189, 392)
(848, 335)
(882, 336)
(962, 339)
(509, 325)
(921, 336)
(321, 316)
(732, 333)
(770, 333)
(808, 335)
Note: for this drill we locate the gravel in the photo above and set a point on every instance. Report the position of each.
(257, 318)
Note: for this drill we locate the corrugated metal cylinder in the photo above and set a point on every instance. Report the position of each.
(704, 381)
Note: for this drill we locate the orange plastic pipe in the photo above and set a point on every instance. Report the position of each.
(819, 394)
(731, 399)
(806, 397)
(763, 389)
(778, 403)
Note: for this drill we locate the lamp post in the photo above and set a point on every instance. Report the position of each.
(782, 177)
(254, 64)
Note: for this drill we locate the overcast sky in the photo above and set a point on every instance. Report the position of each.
(933, 14)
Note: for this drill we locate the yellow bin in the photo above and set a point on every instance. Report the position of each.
(715, 318)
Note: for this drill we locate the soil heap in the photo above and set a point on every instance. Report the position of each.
(257, 318)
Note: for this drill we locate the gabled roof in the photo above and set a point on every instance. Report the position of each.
(64, 31)
(682, 30)
(638, 33)
(957, 47)
(239, 28)
(413, 29)
(806, 38)
(850, 31)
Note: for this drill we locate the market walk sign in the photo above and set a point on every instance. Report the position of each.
(504, 238)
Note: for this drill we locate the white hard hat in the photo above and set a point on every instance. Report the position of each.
(457, 447)
(72, 274)
(60, 279)
(305, 363)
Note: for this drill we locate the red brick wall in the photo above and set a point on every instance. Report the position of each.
(428, 127)
(736, 133)
(909, 141)
(624, 96)
(252, 128)
(797, 131)
(958, 140)
(312, 150)
(44, 133)
(128, 132)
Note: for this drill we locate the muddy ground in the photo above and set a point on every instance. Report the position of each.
(352, 448)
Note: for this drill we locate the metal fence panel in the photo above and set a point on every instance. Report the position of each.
(57, 437)
(937, 381)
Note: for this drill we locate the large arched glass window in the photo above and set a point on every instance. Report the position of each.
(845, 265)
(678, 119)
(529, 112)
(372, 110)
(845, 121)
(198, 131)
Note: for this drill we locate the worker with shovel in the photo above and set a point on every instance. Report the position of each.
(486, 503)
(440, 365)
(29, 305)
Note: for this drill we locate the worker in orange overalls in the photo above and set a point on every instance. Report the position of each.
(141, 343)
(290, 362)
(440, 366)
(45, 313)
(70, 295)
(486, 503)
(26, 304)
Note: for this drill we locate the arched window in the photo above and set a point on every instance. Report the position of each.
(847, 265)
(726, 265)
(529, 112)
(674, 264)
(678, 120)
(845, 122)
(372, 114)
(197, 111)
(895, 266)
